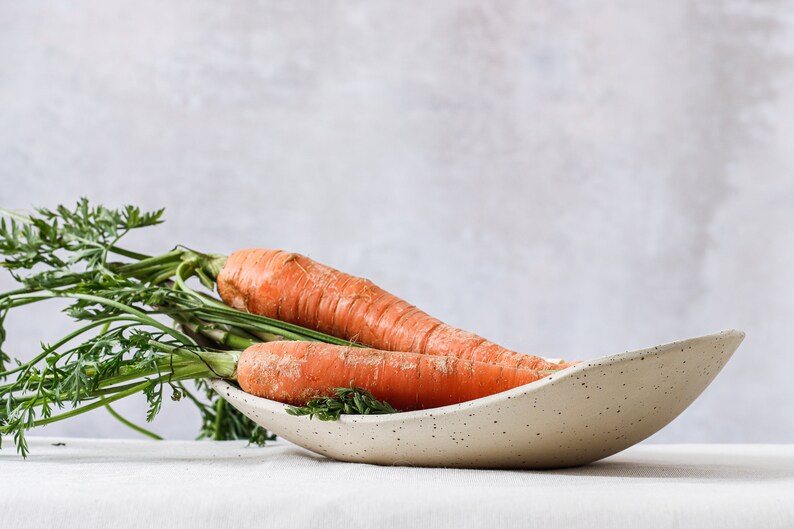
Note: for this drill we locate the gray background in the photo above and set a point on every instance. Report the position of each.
(567, 178)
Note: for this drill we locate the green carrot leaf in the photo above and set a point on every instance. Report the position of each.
(348, 401)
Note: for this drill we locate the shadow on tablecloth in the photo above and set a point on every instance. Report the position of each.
(677, 467)
(679, 463)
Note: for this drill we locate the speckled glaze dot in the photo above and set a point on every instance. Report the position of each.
(577, 416)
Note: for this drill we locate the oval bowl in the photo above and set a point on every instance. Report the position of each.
(581, 414)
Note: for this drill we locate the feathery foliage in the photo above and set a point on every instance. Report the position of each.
(350, 400)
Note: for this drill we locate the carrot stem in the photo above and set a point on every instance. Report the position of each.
(97, 404)
(220, 409)
(141, 430)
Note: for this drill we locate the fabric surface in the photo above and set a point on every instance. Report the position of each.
(68, 483)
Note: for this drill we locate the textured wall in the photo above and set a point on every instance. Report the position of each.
(571, 178)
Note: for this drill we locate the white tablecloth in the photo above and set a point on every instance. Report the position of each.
(114, 483)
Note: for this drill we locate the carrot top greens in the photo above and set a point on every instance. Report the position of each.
(350, 400)
(142, 329)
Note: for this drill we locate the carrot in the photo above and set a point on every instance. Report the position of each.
(296, 289)
(296, 372)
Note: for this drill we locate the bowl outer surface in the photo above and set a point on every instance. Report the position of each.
(579, 415)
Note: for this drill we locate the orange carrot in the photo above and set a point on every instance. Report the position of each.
(296, 289)
(296, 372)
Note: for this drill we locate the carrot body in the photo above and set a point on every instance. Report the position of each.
(296, 372)
(296, 289)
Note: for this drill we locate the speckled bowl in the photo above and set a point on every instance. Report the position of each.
(579, 415)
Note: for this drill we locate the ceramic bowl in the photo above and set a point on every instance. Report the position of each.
(579, 415)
